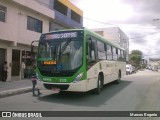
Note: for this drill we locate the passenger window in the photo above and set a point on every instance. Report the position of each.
(101, 51)
(109, 52)
(114, 53)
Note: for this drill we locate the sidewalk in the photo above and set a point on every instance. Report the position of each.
(10, 88)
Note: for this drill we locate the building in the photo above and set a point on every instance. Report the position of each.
(154, 61)
(66, 14)
(23, 21)
(115, 35)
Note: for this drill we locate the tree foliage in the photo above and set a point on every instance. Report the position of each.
(135, 58)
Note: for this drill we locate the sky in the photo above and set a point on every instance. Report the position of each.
(139, 19)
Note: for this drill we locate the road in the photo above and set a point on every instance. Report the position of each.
(136, 92)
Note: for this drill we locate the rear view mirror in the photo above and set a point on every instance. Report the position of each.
(32, 48)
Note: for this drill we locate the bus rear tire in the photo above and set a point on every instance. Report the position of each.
(119, 78)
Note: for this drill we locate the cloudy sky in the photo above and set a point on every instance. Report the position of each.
(139, 19)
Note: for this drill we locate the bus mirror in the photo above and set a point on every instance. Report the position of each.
(32, 48)
(93, 55)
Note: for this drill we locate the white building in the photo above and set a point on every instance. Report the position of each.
(153, 62)
(22, 21)
(115, 35)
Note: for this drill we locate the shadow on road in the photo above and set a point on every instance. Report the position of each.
(86, 99)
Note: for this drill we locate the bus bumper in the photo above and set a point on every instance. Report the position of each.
(75, 87)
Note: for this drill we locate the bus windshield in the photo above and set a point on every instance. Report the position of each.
(61, 55)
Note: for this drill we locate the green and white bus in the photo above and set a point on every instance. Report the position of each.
(78, 60)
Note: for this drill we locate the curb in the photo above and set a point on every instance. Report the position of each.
(15, 92)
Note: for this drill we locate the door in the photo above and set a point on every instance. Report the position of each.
(2, 60)
(15, 62)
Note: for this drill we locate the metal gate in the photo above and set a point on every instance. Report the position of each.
(15, 62)
(2, 60)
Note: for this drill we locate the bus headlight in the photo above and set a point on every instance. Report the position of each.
(78, 78)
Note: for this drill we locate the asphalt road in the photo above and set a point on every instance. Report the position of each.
(136, 92)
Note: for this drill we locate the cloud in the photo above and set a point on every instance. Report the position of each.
(134, 17)
(145, 11)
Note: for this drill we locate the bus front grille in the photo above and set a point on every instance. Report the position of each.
(61, 87)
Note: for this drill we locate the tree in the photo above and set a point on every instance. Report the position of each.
(135, 58)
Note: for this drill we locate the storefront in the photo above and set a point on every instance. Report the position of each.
(28, 64)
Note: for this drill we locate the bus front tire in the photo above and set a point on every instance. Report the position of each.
(99, 85)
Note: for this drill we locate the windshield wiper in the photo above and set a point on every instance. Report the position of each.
(65, 45)
(61, 50)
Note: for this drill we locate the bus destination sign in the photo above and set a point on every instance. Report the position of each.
(61, 35)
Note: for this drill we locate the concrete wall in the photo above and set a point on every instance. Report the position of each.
(15, 27)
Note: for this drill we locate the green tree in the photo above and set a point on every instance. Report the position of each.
(135, 58)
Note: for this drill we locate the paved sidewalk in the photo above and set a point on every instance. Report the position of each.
(10, 88)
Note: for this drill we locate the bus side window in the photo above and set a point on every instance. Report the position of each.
(109, 52)
(122, 56)
(101, 50)
(114, 51)
(119, 55)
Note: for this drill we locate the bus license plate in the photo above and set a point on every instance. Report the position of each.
(57, 90)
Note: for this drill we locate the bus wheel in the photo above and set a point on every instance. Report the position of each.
(99, 85)
(119, 78)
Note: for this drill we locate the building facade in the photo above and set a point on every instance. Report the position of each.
(115, 35)
(23, 21)
(154, 62)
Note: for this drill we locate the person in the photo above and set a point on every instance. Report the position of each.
(34, 83)
(23, 66)
(5, 68)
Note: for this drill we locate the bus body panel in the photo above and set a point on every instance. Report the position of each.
(75, 87)
(110, 70)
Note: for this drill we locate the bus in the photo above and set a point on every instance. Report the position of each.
(78, 60)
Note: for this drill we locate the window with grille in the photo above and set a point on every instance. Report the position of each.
(3, 11)
(34, 24)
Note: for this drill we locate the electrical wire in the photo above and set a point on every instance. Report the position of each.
(120, 25)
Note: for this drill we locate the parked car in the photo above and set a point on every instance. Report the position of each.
(155, 68)
(129, 69)
(150, 67)
(134, 70)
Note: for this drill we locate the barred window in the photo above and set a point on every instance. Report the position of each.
(34, 24)
(3, 11)
(60, 7)
(75, 16)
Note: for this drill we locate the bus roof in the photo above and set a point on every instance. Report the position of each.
(92, 33)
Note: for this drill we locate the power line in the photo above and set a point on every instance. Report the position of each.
(118, 25)
(146, 35)
(100, 22)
